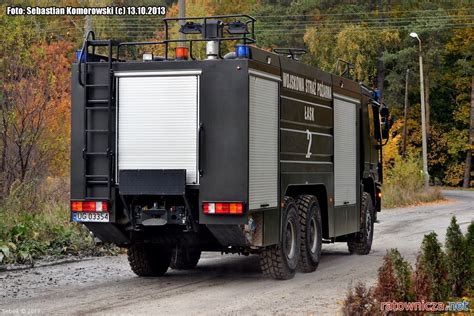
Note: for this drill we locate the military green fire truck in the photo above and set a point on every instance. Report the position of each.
(242, 151)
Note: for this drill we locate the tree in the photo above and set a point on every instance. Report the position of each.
(34, 105)
(354, 43)
(467, 169)
(460, 49)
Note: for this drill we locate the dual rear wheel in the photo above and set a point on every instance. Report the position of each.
(300, 246)
(311, 232)
(281, 260)
(147, 259)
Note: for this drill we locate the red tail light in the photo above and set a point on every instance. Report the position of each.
(89, 206)
(223, 208)
(76, 206)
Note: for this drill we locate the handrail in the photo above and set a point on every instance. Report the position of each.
(84, 49)
(247, 38)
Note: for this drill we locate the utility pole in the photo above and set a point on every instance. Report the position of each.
(87, 22)
(423, 116)
(87, 25)
(181, 14)
(405, 115)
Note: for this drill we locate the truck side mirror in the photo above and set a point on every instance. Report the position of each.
(387, 122)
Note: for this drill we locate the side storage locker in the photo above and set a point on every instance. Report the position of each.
(263, 142)
(345, 164)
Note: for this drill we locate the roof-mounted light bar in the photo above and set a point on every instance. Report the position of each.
(191, 28)
(237, 27)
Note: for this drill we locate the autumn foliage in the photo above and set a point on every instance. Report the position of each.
(35, 119)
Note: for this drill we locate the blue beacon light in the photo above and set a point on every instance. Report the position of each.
(242, 51)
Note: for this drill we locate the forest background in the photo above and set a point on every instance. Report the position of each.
(35, 63)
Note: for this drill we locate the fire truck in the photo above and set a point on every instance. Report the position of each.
(241, 151)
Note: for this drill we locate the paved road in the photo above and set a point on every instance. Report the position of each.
(225, 284)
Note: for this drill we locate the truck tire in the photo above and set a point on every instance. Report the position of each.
(361, 243)
(184, 258)
(148, 260)
(280, 261)
(311, 232)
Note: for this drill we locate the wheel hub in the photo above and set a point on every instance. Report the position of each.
(368, 221)
(313, 234)
(290, 241)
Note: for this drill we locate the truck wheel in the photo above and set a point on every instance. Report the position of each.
(280, 261)
(184, 258)
(148, 260)
(311, 232)
(361, 243)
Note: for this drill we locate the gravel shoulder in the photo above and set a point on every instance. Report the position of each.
(227, 284)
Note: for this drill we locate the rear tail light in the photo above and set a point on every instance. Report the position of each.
(223, 208)
(89, 206)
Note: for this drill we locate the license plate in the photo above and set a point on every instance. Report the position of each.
(102, 217)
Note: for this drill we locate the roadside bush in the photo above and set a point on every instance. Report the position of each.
(35, 223)
(421, 281)
(386, 288)
(457, 259)
(404, 184)
(433, 260)
(360, 301)
(469, 240)
(437, 275)
(403, 276)
(394, 282)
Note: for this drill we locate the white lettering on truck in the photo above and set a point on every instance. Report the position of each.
(312, 87)
(309, 113)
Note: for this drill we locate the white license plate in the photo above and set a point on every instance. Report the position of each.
(102, 217)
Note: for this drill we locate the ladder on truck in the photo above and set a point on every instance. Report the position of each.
(92, 106)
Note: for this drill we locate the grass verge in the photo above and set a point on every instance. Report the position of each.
(35, 224)
(404, 184)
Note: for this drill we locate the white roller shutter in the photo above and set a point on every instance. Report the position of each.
(345, 152)
(158, 123)
(263, 146)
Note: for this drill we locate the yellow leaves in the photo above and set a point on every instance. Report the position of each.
(354, 43)
(317, 40)
(461, 41)
(391, 150)
(454, 174)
